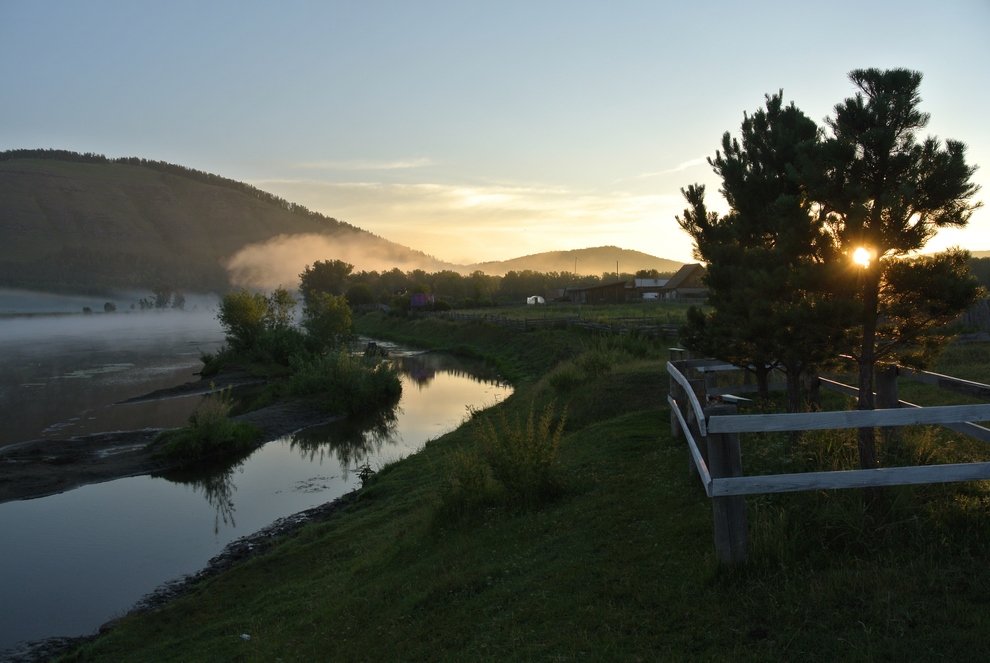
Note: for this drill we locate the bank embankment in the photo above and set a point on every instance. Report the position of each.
(617, 565)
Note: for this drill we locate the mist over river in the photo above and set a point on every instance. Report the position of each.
(72, 561)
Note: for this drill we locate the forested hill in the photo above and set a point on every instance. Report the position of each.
(597, 261)
(83, 222)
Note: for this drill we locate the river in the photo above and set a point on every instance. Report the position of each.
(72, 561)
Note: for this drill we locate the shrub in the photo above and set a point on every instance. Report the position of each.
(280, 344)
(467, 488)
(210, 433)
(523, 455)
(349, 385)
(327, 320)
(243, 316)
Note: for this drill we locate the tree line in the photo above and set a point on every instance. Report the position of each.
(449, 289)
(817, 256)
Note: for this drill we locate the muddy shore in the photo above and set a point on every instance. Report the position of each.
(37, 468)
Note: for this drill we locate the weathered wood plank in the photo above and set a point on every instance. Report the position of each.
(748, 423)
(700, 363)
(966, 428)
(884, 476)
(839, 387)
(692, 399)
(728, 512)
(699, 462)
(744, 389)
(716, 368)
(958, 385)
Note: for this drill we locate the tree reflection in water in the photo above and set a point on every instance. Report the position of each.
(349, 441)
(216, 482)
(423, 367)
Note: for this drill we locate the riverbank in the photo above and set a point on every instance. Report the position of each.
(619, 566)
(37, 468)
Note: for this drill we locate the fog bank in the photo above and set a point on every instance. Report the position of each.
(280, 261)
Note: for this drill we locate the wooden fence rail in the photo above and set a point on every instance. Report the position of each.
(712, 436)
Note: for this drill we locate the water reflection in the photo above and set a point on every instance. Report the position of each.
(84, 556)
(352, 443)
(424, 367)
(216, 483)
(349, 441)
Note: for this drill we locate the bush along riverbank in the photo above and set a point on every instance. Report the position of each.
(310, 364)
(563, 524)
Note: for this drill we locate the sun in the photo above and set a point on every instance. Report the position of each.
(862, 256)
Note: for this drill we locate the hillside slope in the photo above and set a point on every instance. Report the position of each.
(81, 222)
(598, 260)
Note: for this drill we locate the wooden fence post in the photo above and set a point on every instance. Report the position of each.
(887, 397)
(886, 381)
(711, 382)
(728, 513)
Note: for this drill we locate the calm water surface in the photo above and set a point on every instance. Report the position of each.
(70, 562)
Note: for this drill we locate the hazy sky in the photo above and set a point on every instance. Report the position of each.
(472, 130)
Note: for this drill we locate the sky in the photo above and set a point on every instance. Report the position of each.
(474, 130)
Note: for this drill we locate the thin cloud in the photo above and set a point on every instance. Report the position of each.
(481, 221)
(681, 167)
(399, 164)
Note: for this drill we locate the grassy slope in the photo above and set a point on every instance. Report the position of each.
(619, 568)
(108, 225)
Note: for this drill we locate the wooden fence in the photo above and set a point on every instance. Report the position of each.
(622, 326)
(712, 434)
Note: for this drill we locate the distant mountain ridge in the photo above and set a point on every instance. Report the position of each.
(74, 222)
(597, 260)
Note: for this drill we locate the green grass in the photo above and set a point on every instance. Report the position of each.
(661, 312)
(618, 566)
(210, 434)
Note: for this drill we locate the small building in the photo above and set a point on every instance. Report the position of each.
(648, 289)
(420, 300)
(606, 293)
(687, 283)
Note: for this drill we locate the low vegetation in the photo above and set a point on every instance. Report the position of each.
(344, 383)
(210, 434)
(432, 561)
(514, 463)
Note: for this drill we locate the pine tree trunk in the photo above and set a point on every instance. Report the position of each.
(763, 381)
(793, 389)
(867, 358)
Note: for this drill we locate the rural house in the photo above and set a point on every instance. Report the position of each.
(686, 283)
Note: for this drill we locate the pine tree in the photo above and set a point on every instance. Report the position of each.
(884, 190)
(769, 260)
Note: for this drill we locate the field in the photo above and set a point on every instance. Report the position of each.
(655, 312)
(617, 565)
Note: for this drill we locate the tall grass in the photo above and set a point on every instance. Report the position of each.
(908, 522)
(514, 463)
(210, 433)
